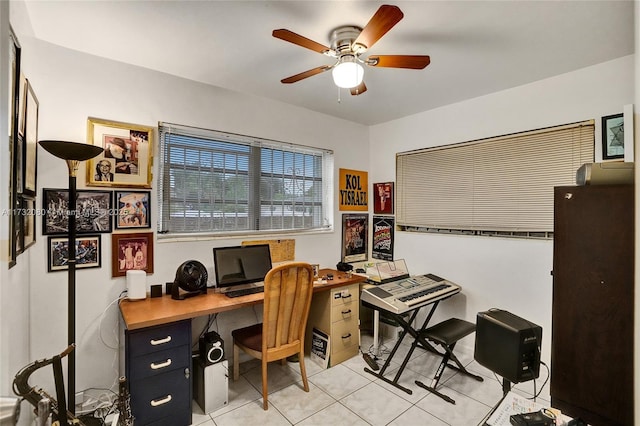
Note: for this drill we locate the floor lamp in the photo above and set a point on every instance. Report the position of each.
(73, 153)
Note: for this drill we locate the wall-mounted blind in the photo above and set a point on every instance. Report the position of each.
(499, 185)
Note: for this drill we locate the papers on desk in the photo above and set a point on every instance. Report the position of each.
(320, 348)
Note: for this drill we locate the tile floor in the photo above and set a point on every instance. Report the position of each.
(346, 395)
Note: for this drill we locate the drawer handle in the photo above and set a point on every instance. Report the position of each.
(157, 402)
(155, 366)
(346, 336)
(346, 296)
(348, 311)
(160, 341)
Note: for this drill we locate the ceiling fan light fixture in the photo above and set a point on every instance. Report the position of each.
(348, 72)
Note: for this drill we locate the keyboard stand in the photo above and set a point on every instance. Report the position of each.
(418, 342)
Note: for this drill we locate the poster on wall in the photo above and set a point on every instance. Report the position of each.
(383, 198)
(353, 193)
(354, 237)
(382, 245)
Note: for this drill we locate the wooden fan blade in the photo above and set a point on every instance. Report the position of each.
(416, 62)
(382, 21)
(294, 38)
(359, 90)
(306, 74)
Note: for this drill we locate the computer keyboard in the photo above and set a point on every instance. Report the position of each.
(244, 291)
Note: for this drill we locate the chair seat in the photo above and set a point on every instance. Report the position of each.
(250, 336)
(449, 331)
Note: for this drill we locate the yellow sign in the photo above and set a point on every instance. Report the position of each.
(352, 194)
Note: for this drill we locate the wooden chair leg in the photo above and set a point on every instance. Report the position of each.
(303, 371)
(265, 404)
(236, 362)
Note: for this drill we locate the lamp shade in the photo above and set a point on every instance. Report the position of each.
(348, 73)
(70, 150)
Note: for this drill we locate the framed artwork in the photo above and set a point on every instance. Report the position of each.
(30, 142)
(13, 70)
(127, 154)
(612, 137)
(316, 270)
(353, 190)
(88, 253)
(93, 211)
(131, 251)
(133, 209)
(22, 103)
(354, 237)
(382, 245)
(28, 214)
(383, 198)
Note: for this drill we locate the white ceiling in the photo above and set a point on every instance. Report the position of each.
(476, 47)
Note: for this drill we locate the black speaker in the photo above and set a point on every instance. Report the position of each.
(211, 348)
(508, 345)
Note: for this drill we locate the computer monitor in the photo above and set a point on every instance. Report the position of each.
(241, 266)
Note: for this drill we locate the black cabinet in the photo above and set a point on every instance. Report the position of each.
(158, 365)
(593, 299)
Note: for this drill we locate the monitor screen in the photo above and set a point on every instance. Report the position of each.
(241, 264)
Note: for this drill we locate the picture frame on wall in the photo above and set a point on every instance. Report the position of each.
(13, 70)
(131, 251)
(383, 198)
(30, 145)
(93, 211)
(28, 222)
(613, 137)
(127, 154)
(133, 209)
(382, 241)
(354, 237)
(88, 253)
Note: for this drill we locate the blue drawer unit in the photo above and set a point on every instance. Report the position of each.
(158, 365)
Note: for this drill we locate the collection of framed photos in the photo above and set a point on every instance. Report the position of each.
(23, 139)
(124, 163)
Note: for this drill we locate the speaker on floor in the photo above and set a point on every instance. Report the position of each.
(211, 348)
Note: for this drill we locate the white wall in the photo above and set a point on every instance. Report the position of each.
(72, 86)
(510, 274)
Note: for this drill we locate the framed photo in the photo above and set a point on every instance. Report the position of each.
(13, 70)
(382, 245)
(383, 198)
(93, 211)
(316, 270)
(28, 214)
(127, 154)
(133, 209)
(354, 237)
(131, 251)
(30, 142)
(88, 253)
(612, 137)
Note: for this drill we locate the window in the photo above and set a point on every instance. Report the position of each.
(221, 183)
(498, 186)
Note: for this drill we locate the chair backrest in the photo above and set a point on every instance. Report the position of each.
(287, 298)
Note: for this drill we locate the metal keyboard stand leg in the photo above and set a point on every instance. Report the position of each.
(418, 341)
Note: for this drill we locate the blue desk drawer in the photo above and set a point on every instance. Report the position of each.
(160, 362)
(161, 397)
(159, 338)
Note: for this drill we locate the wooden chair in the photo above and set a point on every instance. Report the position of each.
(287, 299)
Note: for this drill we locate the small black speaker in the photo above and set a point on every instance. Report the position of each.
(211, 348)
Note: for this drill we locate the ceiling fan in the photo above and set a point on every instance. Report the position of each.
(348, 43)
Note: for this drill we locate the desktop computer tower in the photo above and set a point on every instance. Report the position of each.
(210, 384)
(508, 345)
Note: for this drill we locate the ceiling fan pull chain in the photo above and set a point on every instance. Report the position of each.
(338, 94)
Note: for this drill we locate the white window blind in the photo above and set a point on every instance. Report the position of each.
(219, 183)
(502, 185)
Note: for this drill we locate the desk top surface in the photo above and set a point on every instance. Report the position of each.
(162, 310)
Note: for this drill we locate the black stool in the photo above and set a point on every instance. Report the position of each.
(446, 334)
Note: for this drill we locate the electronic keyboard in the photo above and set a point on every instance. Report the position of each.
(409, 293)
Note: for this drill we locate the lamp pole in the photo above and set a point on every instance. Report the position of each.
(73, 153)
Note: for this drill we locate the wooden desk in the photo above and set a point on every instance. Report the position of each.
(162, 310)
(157, 345)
